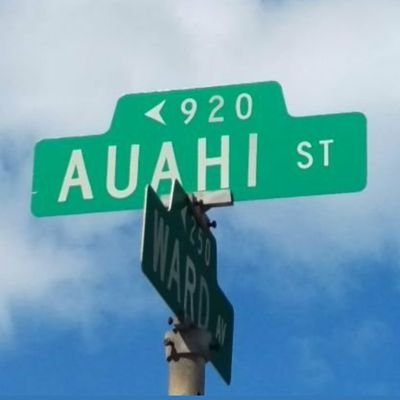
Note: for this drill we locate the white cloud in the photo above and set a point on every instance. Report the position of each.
(357, 340)
(73, 272)
(64, 64)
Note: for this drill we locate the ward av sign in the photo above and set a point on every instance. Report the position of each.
(179, 257)
(239, 137)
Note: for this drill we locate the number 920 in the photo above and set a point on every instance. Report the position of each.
(243, 108)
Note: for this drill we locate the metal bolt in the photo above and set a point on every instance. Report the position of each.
(212, 224)
(198, 203)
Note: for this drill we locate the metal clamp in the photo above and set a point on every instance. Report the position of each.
(185, 340)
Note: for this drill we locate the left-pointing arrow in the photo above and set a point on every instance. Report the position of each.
(155, 113)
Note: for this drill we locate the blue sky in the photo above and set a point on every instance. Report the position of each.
(315, 282)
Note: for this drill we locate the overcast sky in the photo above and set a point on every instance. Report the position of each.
(315, 284)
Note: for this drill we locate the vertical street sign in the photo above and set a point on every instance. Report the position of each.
(179, 258)
(237, 137)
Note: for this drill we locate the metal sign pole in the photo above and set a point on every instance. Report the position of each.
(179, 256)
(187, 349)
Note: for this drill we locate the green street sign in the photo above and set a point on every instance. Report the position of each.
(180, 260)
(237, 137)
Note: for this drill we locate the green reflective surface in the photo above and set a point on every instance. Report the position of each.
(239, 137)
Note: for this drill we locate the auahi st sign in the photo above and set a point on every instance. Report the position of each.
(179, 257)
(239, 137)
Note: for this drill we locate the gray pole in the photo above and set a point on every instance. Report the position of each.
(187, 349)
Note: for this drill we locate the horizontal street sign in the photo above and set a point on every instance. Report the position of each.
(237, 137)
(179, 258)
